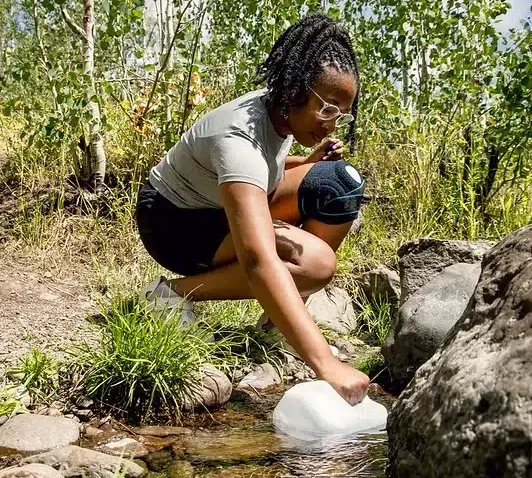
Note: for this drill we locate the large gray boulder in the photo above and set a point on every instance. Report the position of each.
(30, 434)
(73, 462)
(468, 411)
(425, 319)
(332, 309)
(422, 259)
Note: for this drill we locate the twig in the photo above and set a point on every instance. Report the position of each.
(75, 28)
(165, 62)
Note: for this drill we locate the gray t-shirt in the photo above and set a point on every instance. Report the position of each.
(234, 142)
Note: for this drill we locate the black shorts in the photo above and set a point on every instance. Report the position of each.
(182, 240)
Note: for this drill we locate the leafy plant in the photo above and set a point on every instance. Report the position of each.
(9, 401)
(375, 317)
(40, 374)
(372, 364)
(144, 363)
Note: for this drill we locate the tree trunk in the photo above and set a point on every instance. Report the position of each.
(44, 57)
(404, 67)
(98, 160)
(168, 50)
(97, 153)
(2, 42)
(467, 159)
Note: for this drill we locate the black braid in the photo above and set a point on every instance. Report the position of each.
(297, 59)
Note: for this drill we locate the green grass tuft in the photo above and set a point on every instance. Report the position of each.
(9, 402)
(144, 363)
(40, 374)
(375, 318)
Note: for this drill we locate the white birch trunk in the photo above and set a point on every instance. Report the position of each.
(2, 43)
(170, 65)
(98, 160)
(44, 57)
(404, 68)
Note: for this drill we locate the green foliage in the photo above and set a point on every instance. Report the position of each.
(374, 318)
(40, 374)
(9, 403)
(144, 363)
(372, 364)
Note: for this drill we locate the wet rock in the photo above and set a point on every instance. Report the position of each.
(33, 470)
(241, 396)
(332, 308)
(30, 434)
(156, 444)
(213, 392)
(263, 378)
(423, 259)
(425, 319)
(245, 471)
(381, 284)
(127, 447)
(159, 461)
(468, 410)
(162, 431)
(73, 461)
(238, 445)
(181, 469)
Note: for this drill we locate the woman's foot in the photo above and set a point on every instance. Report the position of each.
(161, 298)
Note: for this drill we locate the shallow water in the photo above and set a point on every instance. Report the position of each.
(234, 446)
(362, 457)
(239, 441)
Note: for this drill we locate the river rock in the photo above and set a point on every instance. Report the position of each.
(214, 391)
(332, 308)
(127, 447)
(73, 461)
(425, 319)
(30, 434)
(263, 378)
(422, 259)
(468, 411)
(33, 470)
(381, 284)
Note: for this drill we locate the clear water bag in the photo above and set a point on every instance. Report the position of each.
(314, 410)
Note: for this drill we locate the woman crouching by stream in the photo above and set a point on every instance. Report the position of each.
(229, 210)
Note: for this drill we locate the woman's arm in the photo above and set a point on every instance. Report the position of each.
(272, 284)
(253, 235)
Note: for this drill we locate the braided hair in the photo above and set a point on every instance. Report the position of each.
(297, 59)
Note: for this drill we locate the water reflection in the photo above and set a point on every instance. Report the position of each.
(363, 456)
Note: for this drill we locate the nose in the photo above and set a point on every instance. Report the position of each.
(330, 126)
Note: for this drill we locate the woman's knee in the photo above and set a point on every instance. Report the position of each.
(313, 259)
(320, 263)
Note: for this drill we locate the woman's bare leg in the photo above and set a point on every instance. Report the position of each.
(308, 252)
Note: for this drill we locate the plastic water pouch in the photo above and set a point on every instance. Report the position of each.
(314, 410)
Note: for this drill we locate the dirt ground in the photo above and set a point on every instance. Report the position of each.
(40, 307)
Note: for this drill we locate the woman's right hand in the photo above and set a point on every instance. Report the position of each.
(349, 382)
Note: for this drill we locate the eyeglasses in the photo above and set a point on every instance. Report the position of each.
(332, 112)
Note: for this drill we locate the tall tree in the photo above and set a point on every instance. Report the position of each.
(96, 140)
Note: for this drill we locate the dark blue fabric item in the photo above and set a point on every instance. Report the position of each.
(330, 194)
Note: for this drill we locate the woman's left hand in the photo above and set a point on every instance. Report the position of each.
(330, 149)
